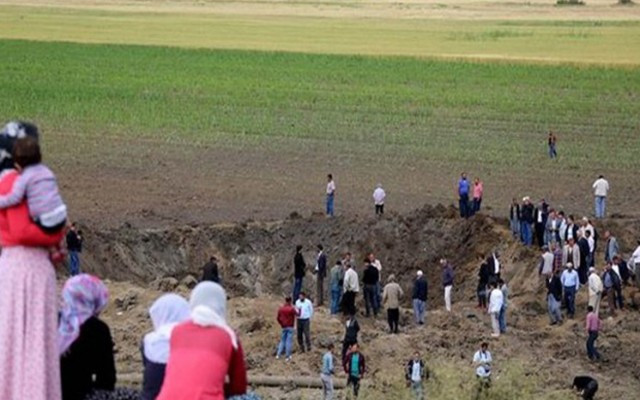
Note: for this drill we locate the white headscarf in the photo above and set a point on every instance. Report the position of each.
(166, 312)
(208, 304)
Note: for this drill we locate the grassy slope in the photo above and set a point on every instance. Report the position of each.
(492, 110)
(559, 41)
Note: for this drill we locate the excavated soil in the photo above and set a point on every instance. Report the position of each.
(256, 266)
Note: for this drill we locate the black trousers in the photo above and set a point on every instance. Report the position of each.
(304, 334)
(370, 293)
(393, 316)
(379, 209)
(349, 303)
(355, 382)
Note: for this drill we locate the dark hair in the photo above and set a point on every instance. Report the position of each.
(330, 176)
(26, 152)
(302, 294)
(330, 346)
(588, 233)
(287, 299)
(320, 247)
(298, 248)
(500, 281)
(590, 308)
(484, 344)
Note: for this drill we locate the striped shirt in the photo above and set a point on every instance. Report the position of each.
(38, 184)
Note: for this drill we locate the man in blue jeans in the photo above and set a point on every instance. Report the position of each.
(526, 221)
(331, 191)
(463, 194)
(74, 246)
(286, 318)
(336, 276)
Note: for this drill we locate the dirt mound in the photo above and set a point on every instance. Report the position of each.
(256, 266)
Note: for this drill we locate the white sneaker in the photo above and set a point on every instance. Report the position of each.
(288, 359)
(277, 357)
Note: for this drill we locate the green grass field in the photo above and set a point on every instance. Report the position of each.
(477, 112)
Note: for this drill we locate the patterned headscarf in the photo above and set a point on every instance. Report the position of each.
(11, 132)
(83, 297)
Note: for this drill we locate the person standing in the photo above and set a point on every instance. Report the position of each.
(541, 214)
(552, 229)
(571, 231)
(391, 296)
(546, 263)
(482, 360)
(210, 271)
(370, 280)
(592, 248)
(593, 328)
(595, 289)
(600, 192)
(514, 218)
(502, 317)
(419, 297)
(379, 196)
(612, 289)
(483, 281)
(287, 314)
(415, 373)
(571, 253)
(352, 328)
(327, 373)
(478, 191)
(355, 368)
(463, 196)
(376, 263)
(496, 300)
(447, 282)
(304, 309)
(570, 284)
(611, 249)
(557, 256)
(585, 250)
(299, 266)
(321, 273)
(331, 192)
(554, 297)
(336, 278)
(351, 286)
(526, 221)
(74, 247)
(551, 142)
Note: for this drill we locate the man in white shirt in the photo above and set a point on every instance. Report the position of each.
(415, 372)
(482, 360)
(378, 199)
(351, 286)
(496, 300)
(600, 191)
(331, 191)
(595, 289)
(303, 322)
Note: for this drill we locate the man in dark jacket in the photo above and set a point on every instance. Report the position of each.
(321, 273)
(370, 280)
(483, 281)
(526, 221)
(355, 368)
(447, 282)
(415, 372)
(554, 297)
(210, 271)
(299, 270)
(74, 246)
(420, 290)
(583, 268)
(352, 328)
(540, 217)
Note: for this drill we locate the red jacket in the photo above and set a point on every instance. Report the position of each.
(16, 226)
(287, 316)
(200, 360)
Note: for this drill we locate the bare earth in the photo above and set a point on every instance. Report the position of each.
(411, 9)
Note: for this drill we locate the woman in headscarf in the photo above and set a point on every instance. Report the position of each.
(85, 344)
(29, 357)
(205, 351)
(166, 312)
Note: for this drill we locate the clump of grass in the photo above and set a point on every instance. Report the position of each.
(490, 35)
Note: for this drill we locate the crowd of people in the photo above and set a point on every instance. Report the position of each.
(54, 348)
